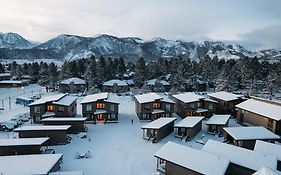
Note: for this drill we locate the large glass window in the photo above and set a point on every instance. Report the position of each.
(61, 108)
(88, 107)
(112, 107)
(36, 109)
(50, 108)
(211, 106)
(168, 107)
(156, 105)
(100, 105)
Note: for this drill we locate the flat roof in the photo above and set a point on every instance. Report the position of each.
(28, 164)
(250, 133)
(149, 97)
(159, 123)
(268, 148)
(67, 173)
(48, 99)
(240, 156)
(11, 82)
(64, 119)
(95, 97)
(272, 111)
(188, 97)
(196, 160)
(42, 127)
(23, 141)
(75, 80)
(189, 122)
(218, 120)
(65, 101)
(225, 96)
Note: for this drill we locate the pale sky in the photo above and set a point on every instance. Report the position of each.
(252, 23)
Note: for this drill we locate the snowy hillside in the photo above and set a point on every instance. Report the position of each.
(13, 41)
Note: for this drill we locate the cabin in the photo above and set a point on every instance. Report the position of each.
(73, 85)
(260, 112)
(158, 85)
(99, 108)
(61, 105)
(22, 146)
(216, 124)
(41, 164)
(176, 159)
(246, 137)
(58, 134)
(115, 86)
(271, 149)
(13, 83)
(226, 102)
(191, 104)
(189, 127)
(5, 76)
(242, 161)
(152, 106)
(77, 123)
(158, 129)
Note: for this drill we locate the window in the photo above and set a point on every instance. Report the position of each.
(100, 105)
(199, 104)
(112, 107)
(156, 105)
(270, 120)
(145, 116)
(36, 109)
(191, 105)
(113, 116)
(211, 106)
(50, 108)
(168, 107)
(61, 108)
(88, 107)
(146, 106)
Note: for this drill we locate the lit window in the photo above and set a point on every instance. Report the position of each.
(156, 105)
(100, 105)
(50, 108)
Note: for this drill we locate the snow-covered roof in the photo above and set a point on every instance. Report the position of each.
(95, 97)
(218, 120)
(250, 133)
(159, 123)
(149, 97)
(225, 96)
(189, 122)
(28, 164)
(11, 82)
(157, 111)
(188, 97)
(71, 119)
(196, 160)
(210, 100)
(153, 81)
(266, 171)
(272, 111)
(49, 114)
(41, 128)
(23, 141)
(268, 148)
(5, 74)
(47, 99)
(240, 156)
(75, 80)
(118, 82)
(199, 110)
(100, 111)
(167, 100)
(65, 101)
(67, 173)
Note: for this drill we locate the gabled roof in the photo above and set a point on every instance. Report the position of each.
(159, 123)
(118, 82)
(153, 81)
(240, 156)
(268, 148)
(149, 97)
(218, 120)
(23, 141)
(95, 97)
(250, 133)
(65, 101)
(48, 99)
(74, 80)
(225, 96)
(192, 159)
(189, 122)
(272, 111)
(188, 97)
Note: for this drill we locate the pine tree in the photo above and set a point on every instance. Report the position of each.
(140, 69)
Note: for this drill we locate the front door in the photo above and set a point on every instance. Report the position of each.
(100, 118)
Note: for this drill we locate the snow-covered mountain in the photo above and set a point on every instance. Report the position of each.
(130, 48)
(13, 41)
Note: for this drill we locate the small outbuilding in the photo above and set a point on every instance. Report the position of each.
(77, 123)
(158, 129)
(73, 85)
(115, 86)
(41, 164)
(216, 124)
(188, 127)
(57, 134)
(246, 136)
(22, 146)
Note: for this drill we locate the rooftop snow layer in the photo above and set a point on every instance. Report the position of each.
(11, 82)
(250, 133)
(225, 96)
(196, 160)
(75, 80)
(240, 156)
(95, 97)
(149, 97)
(70, 119)
(266, 171)
(67, 173)
(41, 128)
(23, 141)
(65, 101)
(5, 74)
(48, 99)
(118, 82)
(153, 81)
(189, 122)
(272, 111)
(268, 148)
(159, 123)
(28, 164)
(188, 97)
(218, 120)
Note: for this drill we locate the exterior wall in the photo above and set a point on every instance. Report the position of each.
(192, 132)
(19, 150)
(11, 85)
(173, 169)
(226, 107)
(258, 120)
(217, 128)
(76, 126)
(56, 137)
(164, 131)
(69, 111)
(36, 117)
(115, 88)
(72, 88)
(56, 167)
(234, 169)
